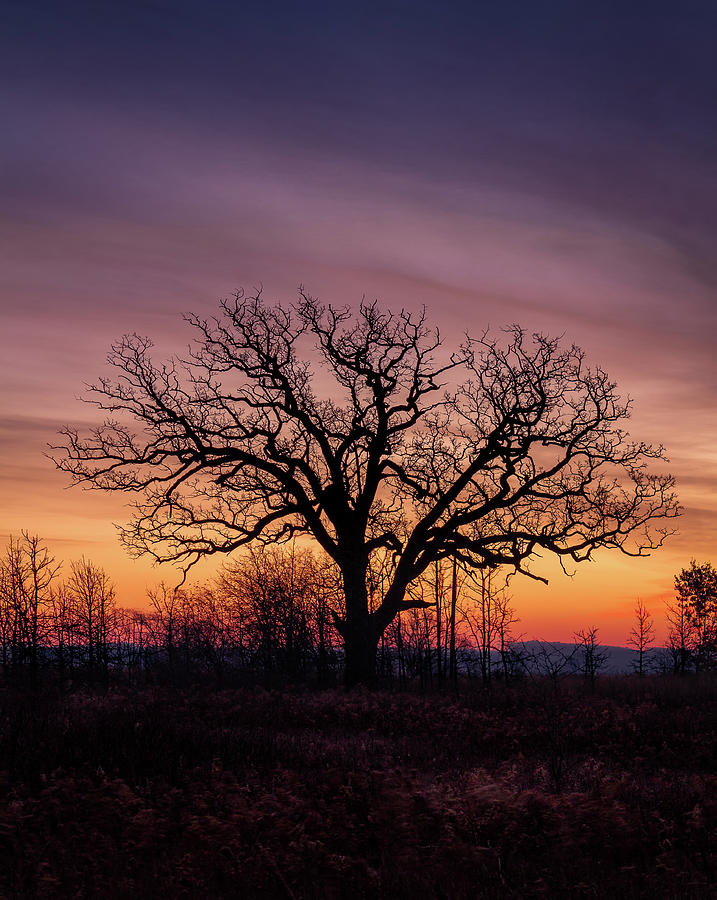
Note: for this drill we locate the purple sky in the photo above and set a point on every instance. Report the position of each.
(526, 162)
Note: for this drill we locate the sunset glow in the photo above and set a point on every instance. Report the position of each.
(567, 186)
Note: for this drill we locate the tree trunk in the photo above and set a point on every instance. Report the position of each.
(360, 632)
(360, 646)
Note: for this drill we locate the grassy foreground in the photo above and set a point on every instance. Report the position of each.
(537, 791)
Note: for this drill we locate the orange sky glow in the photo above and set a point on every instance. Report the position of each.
(494, 188)
(47, 372)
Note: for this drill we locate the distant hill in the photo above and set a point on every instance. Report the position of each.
(620, 660)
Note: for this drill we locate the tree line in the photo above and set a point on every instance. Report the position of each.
(271, 615)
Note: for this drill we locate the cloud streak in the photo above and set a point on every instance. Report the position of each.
(498, 165)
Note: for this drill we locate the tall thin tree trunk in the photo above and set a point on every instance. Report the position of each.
(452, 663)
(439, 640)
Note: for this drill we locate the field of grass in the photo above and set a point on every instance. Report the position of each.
(538, 790)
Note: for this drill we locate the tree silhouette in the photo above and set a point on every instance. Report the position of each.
(642, 635)
(488, 615)
(374, 444)
(93, 598)
(594, 656)
(696, 596)
(27, 575)
(282, 602)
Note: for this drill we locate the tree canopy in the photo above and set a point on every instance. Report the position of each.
(356, 428)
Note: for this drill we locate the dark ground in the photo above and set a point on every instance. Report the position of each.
(536, 791)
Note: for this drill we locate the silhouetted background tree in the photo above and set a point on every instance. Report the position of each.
(592, 654)
(489, 617)
(27, 575)
(642, 636)
(92, 597)
(693, 618)
(389, 455)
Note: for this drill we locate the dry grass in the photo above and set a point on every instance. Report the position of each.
(528, 793)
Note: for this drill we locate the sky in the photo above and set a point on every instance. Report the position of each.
(550, 164)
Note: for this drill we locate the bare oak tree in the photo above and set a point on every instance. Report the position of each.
(351, 427)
